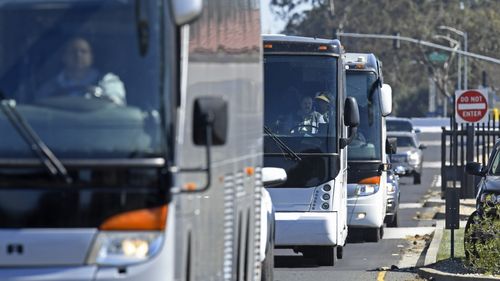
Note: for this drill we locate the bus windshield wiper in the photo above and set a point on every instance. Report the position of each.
(47, 157)
(281, 144)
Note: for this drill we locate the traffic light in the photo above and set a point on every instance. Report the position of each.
(396, 44)
(335, 33)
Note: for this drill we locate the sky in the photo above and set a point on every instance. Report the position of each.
(271, 24)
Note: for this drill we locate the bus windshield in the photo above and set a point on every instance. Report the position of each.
(85, 75)
(300, 103)
(367, 144)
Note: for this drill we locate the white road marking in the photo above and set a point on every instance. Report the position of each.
(403, 232)
(432, 143)
(431, 164)
(410, 205)
(430, 129)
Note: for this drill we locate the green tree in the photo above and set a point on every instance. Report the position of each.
(407, 69)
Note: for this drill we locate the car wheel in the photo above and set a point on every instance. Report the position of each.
(417, 178)
(372, 234)
(394, 221)
(470, 239)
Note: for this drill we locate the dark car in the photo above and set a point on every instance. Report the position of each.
(393, 194)
(409, 154)
(487, 202)
(399, 124)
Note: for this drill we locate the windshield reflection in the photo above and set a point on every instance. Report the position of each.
(76, 74)
(367, 144)
(300, 101)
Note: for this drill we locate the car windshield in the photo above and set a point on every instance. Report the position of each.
(495, 165)
(404, 141)
(85, 76)
(300, 102)
(399, 125)
(367, 144)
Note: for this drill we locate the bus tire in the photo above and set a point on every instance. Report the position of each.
(372, 234)
(326, 256)
(340, 252)
(267, 265)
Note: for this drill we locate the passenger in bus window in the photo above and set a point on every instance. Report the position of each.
(306, 119)
(322, 100)
(80, 78)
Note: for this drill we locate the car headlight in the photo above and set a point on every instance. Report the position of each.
(413, 158)
(490, 198)
(114, 248)
(368, 189)
(390, 188)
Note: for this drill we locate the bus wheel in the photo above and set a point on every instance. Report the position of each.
(326, 256)
(268, 266)
(340, 252)
(372, 234)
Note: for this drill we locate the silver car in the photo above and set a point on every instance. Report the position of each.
(409, 154)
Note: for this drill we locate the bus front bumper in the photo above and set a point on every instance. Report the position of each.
(306, 228)
(366, 211)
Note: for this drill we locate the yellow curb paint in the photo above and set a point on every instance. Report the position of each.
(381, 276)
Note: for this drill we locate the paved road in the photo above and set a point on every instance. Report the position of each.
(363, 261)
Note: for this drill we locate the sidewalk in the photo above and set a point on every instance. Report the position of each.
(448, 269)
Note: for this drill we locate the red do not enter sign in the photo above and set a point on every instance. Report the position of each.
(471, 106)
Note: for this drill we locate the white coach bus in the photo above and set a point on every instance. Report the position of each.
(131, 140)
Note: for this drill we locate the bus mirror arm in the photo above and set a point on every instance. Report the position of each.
(208, 167)
(210, 125)
(351, 120)
(353, 131)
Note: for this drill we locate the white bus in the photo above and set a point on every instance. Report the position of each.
(131, 140)
(309, 141)
(367, 177)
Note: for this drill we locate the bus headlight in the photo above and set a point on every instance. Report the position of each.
(115, 248)
(368, 189)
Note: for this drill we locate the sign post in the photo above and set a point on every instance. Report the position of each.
(471, 106)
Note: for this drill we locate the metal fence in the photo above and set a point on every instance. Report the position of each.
(464, 143)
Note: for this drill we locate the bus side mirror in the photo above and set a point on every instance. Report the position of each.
(351, 112)
(273, 176)
(210, 121)
(186, 11)
(391, 145)
(209, 128)
(351, 119)
(386, 100)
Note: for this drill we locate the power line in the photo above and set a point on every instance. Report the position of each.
(419, 42)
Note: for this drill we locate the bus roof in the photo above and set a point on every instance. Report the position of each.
(362, 61)
(284, 43)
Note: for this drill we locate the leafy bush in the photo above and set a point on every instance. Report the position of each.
(482, 239)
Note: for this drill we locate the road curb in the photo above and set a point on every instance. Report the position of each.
(432, 251)
(436, 275)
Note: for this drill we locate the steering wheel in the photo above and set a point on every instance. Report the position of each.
(292, 130)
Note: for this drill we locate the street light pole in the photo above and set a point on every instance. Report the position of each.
(457, 47)
(465, 61)
(459, 74)
(464, 36)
